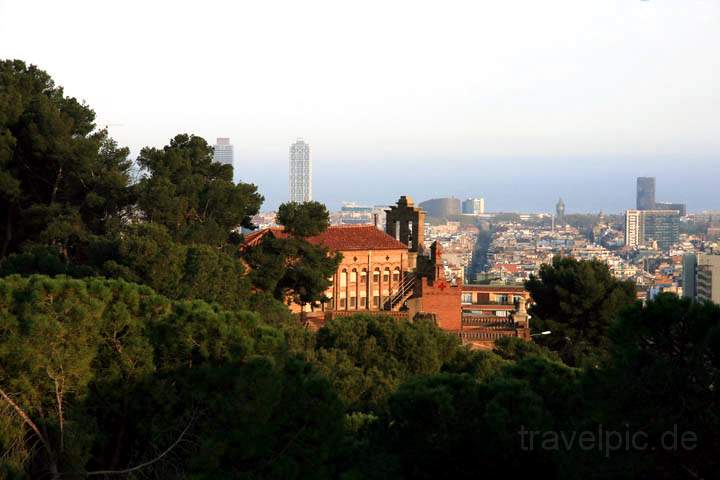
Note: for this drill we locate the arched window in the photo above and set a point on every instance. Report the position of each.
(353, 276)
(376, 276)
(396, 275)
(386, 275)
(363, 276)
(343, 278)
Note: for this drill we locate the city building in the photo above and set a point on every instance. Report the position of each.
(473, 206)
(701, 276)
(708, 277)
(645, 193)
(441, 207)
(300, 172)
(560, 212)
(643, 227)
(223, 151)
(690, 275)
(680, 207)
(646, 198)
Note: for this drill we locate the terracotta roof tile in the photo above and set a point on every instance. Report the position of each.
(340, 237)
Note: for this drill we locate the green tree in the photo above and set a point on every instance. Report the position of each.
(123, 374)
(452, 426)
(663, 377)
(577, 301)
(193, 196)
(303, 219)
(291, 266)
(366, 357)
(61, 180)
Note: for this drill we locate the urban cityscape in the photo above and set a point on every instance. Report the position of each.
(326, 240)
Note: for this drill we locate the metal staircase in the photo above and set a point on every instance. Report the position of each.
(404, 291)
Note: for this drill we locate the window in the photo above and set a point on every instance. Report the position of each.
(342, 303)
(363, 276)
(353, 302)
(353, 276)
(363, 302)
(467, 298)
(343, 278)
(376, 275)
(376, 301)
(396, 275)
(386, 275)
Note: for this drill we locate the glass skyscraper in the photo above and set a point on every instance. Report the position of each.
(645, 193)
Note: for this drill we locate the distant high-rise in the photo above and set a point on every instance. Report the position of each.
(300, 172)
(646, 193)
(223, 151)
(645, 226)
(560, 212)
(473, 206)
(441, 207)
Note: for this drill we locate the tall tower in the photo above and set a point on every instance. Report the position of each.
(560, 211)
(300, 172)
(223, 151)
(645, 193)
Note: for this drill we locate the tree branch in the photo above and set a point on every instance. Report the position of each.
(26, 418)
(149, 462)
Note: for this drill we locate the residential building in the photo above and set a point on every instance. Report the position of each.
(708, 277)
(300, 172)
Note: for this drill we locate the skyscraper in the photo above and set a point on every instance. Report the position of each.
(300, 172)
(223, 151)
(560, 212)
(645, 193)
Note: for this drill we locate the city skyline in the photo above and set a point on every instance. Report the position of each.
(532, 117)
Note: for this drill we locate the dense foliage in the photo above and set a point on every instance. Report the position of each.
(577, 301)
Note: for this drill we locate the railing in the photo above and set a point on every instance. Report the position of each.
(406, 288)
(475, 335)
(349, 313)
(486, 321)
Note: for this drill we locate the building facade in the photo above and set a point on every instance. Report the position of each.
(645, 193)
(701, 276)
(441, 207)
(643, 227)
(300, 172)
(223, 151)
(473, 206)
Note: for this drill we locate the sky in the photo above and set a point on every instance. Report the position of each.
(516, 101)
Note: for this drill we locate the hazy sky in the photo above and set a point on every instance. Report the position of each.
(519, 101)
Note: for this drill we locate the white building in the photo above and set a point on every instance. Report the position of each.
(300, 172)
(473, 206)
(223, 151)
(633, 228)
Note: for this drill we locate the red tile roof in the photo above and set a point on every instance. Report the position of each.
(339, 238)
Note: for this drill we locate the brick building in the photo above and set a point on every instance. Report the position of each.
(390, 273)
